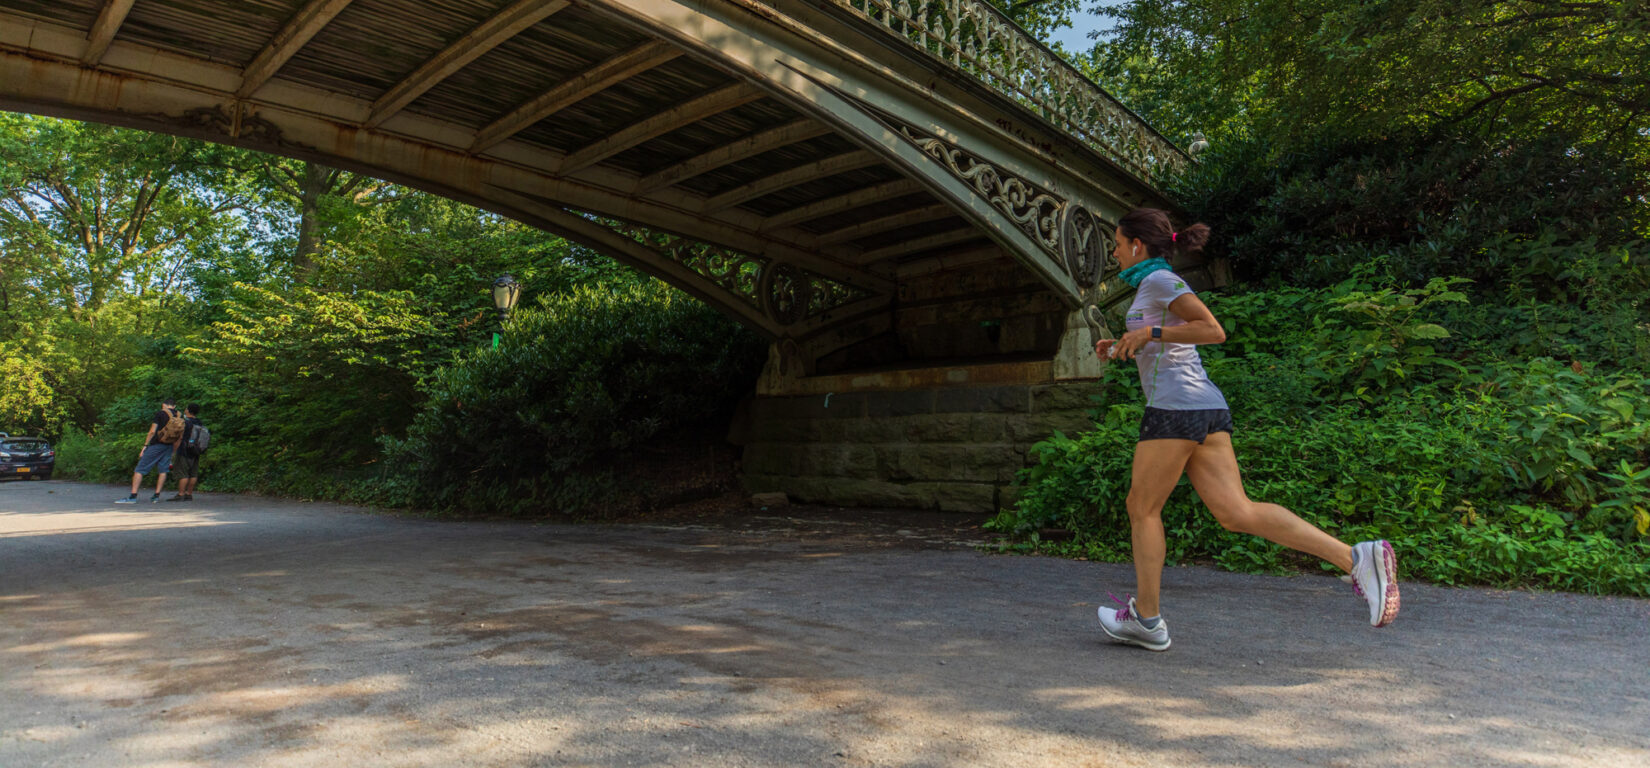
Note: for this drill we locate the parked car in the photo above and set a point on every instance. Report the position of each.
(31, 458)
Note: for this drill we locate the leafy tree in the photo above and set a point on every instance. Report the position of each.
(93, 212)
(1313, 211)
(118, 248)
(320, 196)
(100, 231)
(28, 401)
(1292, 68)
(315, 377)
(1039, 17)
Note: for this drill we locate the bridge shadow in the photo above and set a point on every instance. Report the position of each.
(274, 633)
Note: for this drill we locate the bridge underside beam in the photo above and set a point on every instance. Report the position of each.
(104, 29)
(488, 35)
(292, 38)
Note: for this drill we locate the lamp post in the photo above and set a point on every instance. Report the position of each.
(505, 293)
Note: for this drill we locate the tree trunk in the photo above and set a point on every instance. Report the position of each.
(316, 183)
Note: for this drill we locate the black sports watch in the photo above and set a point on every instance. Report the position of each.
(1157, 332)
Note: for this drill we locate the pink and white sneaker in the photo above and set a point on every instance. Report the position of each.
(1375, 579)
(1122, 625)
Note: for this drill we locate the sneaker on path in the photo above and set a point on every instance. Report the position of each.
(179, 497)
(155, 498)
(1124, 626)
(127, 500)
(1375, 579)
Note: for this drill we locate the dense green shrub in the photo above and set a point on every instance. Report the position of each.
(1482, 467)
(1429, 205)
(314, 378)
(296, 386)
(106, 457)
(544, 421)
(1596, 310)
(1434, 483)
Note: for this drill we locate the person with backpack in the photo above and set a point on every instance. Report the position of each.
(165, 432)
(186, 459)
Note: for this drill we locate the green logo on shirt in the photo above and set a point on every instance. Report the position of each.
(1179, 285)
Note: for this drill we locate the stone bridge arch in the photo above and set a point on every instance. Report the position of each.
(874, 185)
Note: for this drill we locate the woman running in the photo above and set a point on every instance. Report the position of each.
(1187, 428)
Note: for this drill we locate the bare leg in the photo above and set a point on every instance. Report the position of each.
(1213, 470)
(160, 483)
(1157, 467)
(137, 482)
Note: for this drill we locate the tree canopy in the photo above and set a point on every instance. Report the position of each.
(127, 255)
(1293, 68)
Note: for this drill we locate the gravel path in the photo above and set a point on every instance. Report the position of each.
(254, 632)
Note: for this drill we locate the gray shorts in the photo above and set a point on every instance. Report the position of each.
(154, 458)
(185, 466)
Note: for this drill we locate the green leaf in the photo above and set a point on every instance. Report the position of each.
(1621, 407)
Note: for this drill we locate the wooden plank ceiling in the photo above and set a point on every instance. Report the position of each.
(604, 102)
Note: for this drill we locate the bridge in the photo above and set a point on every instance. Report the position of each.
(912, 199)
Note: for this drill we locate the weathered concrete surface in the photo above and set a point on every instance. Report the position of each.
(250, 632)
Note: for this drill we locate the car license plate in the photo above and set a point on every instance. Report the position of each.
(24, 469)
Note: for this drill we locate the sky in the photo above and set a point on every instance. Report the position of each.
(1075, 37)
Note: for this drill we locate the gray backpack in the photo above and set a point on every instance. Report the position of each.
(199, 439)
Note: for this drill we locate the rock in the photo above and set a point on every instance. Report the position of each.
(770, 500)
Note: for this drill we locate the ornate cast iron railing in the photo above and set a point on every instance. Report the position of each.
(977, 38)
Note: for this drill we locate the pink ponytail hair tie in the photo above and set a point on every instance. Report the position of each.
(1174, 236)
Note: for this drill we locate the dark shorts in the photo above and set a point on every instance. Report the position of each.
(185, 466)
(154, 459)
(1159, 424)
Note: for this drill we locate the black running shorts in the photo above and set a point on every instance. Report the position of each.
(1159, 424)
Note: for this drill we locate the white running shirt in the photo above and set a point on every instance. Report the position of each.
(1171, 375)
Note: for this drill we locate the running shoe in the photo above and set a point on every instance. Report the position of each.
(1375, 579)
(179, 497)
(1124, 626)
(127, 500)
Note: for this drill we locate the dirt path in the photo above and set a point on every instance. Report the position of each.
(251, 632)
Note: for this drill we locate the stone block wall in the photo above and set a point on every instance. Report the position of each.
(947, 448)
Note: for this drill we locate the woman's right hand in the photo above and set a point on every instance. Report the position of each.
(1102, 348)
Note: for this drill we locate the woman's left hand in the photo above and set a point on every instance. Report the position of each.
(1131, 343)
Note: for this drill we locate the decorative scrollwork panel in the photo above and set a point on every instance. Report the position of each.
(1086, 247)
(1035, 210)
(975, 37)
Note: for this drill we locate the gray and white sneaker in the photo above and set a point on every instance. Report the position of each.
(127, 500)
(1124, 626)
(1375, 579)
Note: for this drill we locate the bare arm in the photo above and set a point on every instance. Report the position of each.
(1200, 328)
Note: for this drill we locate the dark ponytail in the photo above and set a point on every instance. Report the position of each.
(1152, 227)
